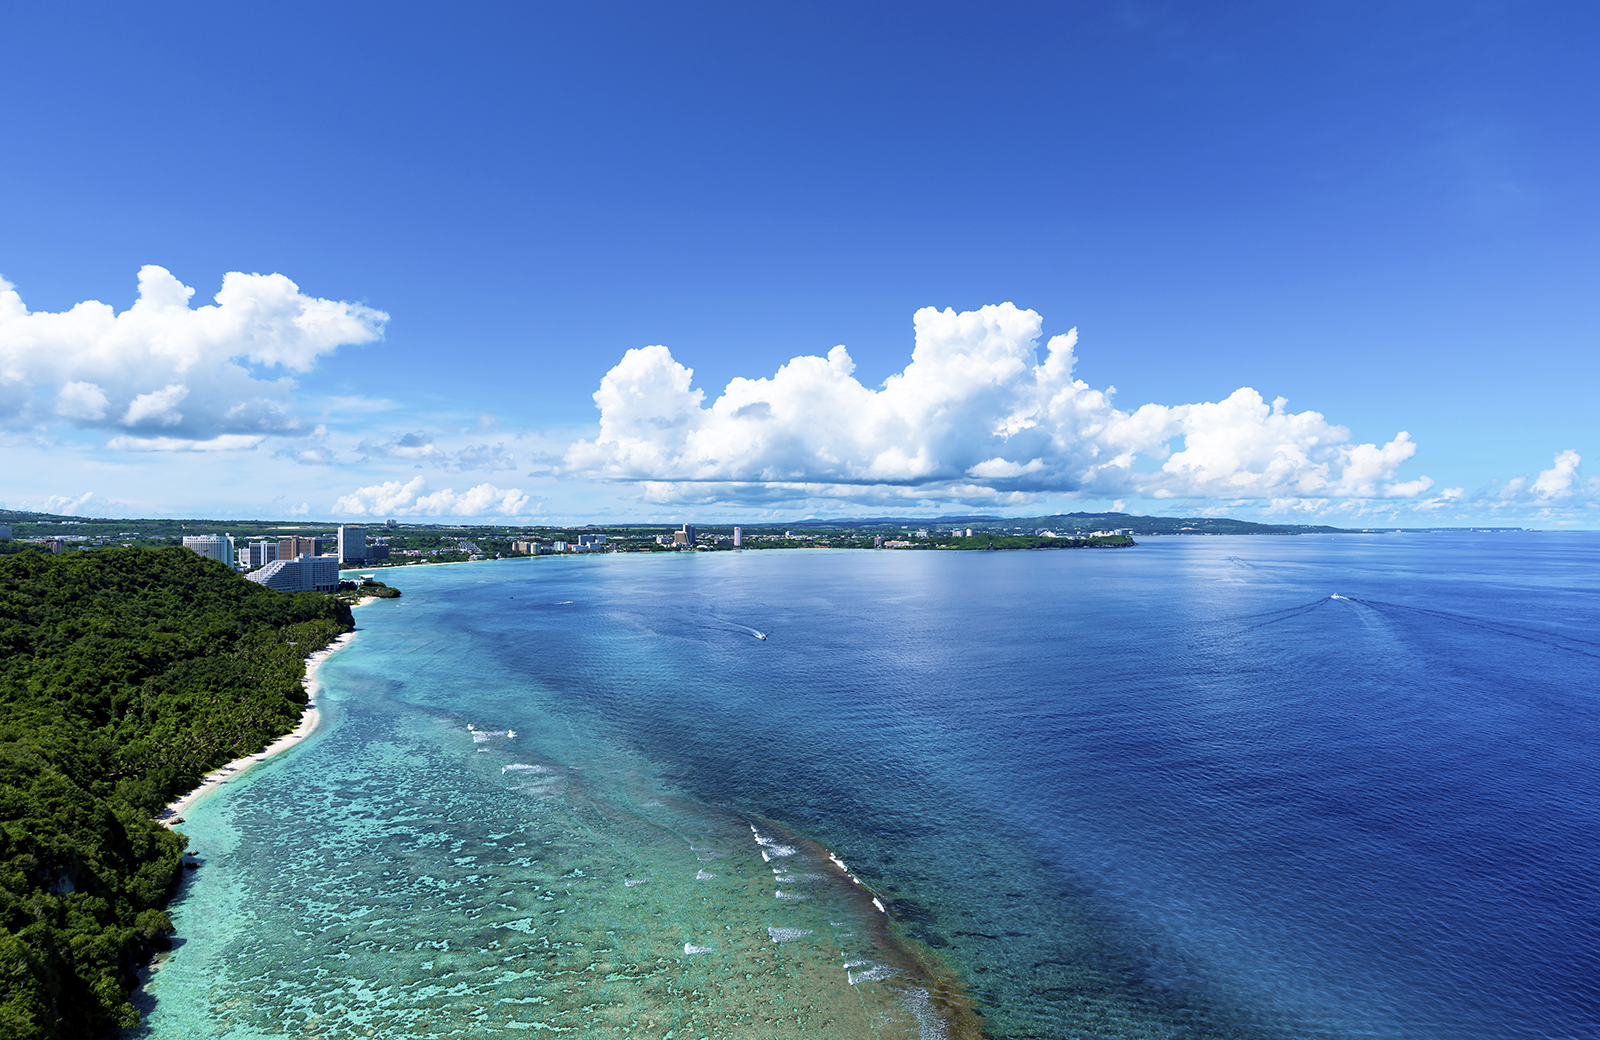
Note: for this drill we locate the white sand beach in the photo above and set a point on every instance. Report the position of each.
(308, 724)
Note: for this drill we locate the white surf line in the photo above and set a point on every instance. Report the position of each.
(776, 849)
(770, 847)
(309, 720)
(847, 872)
(874, 973)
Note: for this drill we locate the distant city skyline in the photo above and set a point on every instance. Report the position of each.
(721, 264)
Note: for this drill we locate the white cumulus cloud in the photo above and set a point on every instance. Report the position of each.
(975, 416)
(221, 442)
(1559, 495)
(1561, 480)
(1562, 485)
(157, 408)
(79, 400)
(392, 498)
(164, 372)
(86, 504)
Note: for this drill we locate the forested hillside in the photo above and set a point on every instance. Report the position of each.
(125, 675)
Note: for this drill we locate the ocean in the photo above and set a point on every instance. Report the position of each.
(1250, 787)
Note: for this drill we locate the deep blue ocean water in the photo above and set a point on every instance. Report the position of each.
(1178, 790)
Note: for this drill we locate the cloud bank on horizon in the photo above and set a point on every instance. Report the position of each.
(975, 418)
(162, 376)
(412, 498)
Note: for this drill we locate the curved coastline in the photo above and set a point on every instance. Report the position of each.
(919, 994)
(310, 718)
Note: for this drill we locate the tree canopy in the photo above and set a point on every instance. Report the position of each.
(125, 676)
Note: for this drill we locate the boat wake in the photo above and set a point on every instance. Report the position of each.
(1555, 640)
(734, 626)
(1274, 617)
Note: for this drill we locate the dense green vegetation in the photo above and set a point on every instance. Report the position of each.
(370, 587)
(125, 676)
(1002, 541)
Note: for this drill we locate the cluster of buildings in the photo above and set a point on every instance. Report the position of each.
(687, 538)
(302, 574)
(293, 564)
(585, 543)
(56, 544)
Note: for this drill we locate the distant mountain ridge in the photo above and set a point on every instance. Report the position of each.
(1064, 523)
(1075, 523)
(1078, 523)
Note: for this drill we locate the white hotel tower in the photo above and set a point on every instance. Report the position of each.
(217, 547)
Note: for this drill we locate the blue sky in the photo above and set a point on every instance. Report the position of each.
(1384, 214)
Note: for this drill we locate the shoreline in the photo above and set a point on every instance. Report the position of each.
(434, 563)
(309, 720)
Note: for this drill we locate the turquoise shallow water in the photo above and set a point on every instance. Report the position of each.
(1175, 791)
(453, 855)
